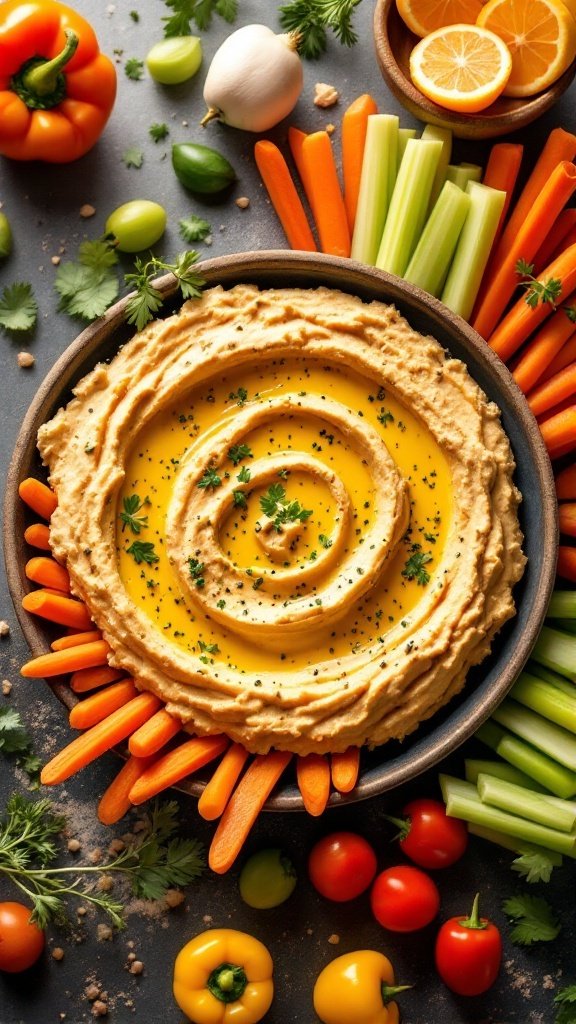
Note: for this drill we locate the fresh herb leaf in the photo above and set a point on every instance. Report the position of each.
(239, 499)
(536, 290)
(414, 567)
(534, 867)
(566, 1000)
(198, 11)
(210, 479)
(98, 253)
(18, 307)
(534, 919)
(325, 541)
(244, 475)
(194, 229)
(133, 157)
(571, 312)
(196, 570)
(208, 648)
(238, 452)
(158, 132)
(142, 551)
(89, 286)
(309, 19)
(135, 16)
(280, 509)
(147, 300)
(132, 505)
(15, 741)
(385, 417)
(134, 69)
(238, 396)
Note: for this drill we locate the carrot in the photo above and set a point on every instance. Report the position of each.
(40, 498)
(218, 789)
(559, 432)
(553, 391)
(59, 662)
(325, 195)
(313, 776)
(566, 564)
(283, 195)
(48, 573)
(296, 143)
(154, 734)
(513, 330)
(501, 173)
(176, 765)
(567, 518)
(100, 738)
(57, 608)
(115, 802)
(565, 356)
(75, 639)
(38, 536)
(565, 483)
(354, 128)
(93, 709)
(531, 233)
(555, 240)
(244, 807)
(86, 679)
(543, 348)
(345, 768)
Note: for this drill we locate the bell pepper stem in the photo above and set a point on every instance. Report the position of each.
(43, 78)
(390, 992)
(474, 922)
(227, 983)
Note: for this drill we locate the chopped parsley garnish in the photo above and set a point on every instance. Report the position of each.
(194, 229)
(414, 567)
(244, 475)
(133, 157)
(158, 131)
(142, 551)
(134, 69)
(385, 418)
(132, 505)
(238, 452)
(325, 541)
(239, 499)
(18, 307)
(280, 509)
(196, 569)
(238, 396)
(538, 291)
(210, 479)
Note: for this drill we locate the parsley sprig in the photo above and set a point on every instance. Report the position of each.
(309, 19)
(154, 862)
(414, 566)
(566, 1001)
(198, 11)
(142, 306)
(89, 285)
(534, 919)
(538, 291)
(18, 307)
(143, 551)
(16, 742)
(129, 517)
(194, 229)
(535, 866)
(280, 509)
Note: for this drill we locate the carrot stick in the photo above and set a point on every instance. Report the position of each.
(75, 639)
(57, 608)
(501, 173)
(543, 348)
(325, 196)
(566, 564)
(296, 143)
(531, 233)
(48, 573)
(218, 789)
(522, 319)
(93, 709)
(313, 776)
(345, 768)
(283, 195)
(565, 483)
(40, 498)
(59, 662)
(244, 807)
(115, 802)
(152, 736)
(553, 391)
(556, 238)
(354, 127)
(565, 356)
(567, 518)
(38, 536)
(176, 765)
(87, 679)
(559, 432)
(100, 738)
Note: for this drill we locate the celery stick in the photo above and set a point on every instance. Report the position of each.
(408, 205)
(557, 651)
(558, 743)
(510, 843)
(379, 165)
(490, 734)
(473, 248)
(443, 135)
(475, 171)
(403, 135)
(546, 699)
(562, 605)
(558, 814)
(499, 770)
(557, 779)
(560, 682)
(565, 625)
(432, 257)
(462, 801)
(459, 175)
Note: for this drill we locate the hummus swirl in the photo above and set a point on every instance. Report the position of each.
(423, 617)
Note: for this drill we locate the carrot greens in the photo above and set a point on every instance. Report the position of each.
(309, 19)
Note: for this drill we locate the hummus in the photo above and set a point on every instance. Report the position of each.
(291, 515)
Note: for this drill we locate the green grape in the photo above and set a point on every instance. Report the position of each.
(175, 60)
(137, 225)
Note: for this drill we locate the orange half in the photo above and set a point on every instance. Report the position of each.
(461, 67)
(541, 36)
(424, 17)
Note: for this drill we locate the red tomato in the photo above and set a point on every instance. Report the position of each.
(468, 953)
(21, 942)
(341, 866)
(404, 899)
(430, 838)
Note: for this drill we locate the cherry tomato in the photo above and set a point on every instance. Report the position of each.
(267, 879)
(341, 866)
(137, 225)
(21, 942)
(429, 837)
(468, 953)
(404, 899)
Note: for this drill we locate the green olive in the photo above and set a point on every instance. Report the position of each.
(201, 169)
(174, 60)
(137, 225)
(5, 237)
(267, 879)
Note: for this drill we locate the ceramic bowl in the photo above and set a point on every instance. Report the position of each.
(394, 763)
(394, 44)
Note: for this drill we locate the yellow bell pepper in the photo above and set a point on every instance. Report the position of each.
(224, 977)
(356, 989)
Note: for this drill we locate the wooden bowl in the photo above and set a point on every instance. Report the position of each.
(488, 683)
(394, 44)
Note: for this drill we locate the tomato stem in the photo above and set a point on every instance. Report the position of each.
(40, 83)
(403, 824)
(389, 992)
(474, 922)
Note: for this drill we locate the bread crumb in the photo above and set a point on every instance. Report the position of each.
(116, 846)
(207, 919)
(87, 210)
(330, 129)
(333, 939)
(92, 991)
(325, 95)
(57, 953)
(104, 932)
(4, 628)
(105, 883)
(95, 855)
(26, 359)
(99, 1009)
(137, 967)
(174, 898)
(131, 958)
(81, 911)
(73, 846)
(55, 261)
(6, 687)
(242, 202)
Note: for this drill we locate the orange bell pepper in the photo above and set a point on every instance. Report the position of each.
(56, 88)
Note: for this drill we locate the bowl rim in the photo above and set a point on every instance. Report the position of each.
(347, 275)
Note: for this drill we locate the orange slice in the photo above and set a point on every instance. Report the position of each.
(424, 17)
(461, 67)
(541, 36)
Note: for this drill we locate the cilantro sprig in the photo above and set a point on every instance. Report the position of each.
(566, 1001)
(194, 229)
(16, 742)
(18, 307)
(280, 509)
(536, 290)
(142, 551)
(533, 917)
(414, 566)
(198, 11)
(131, 505)
(309, 19)
(535, 866)
(147, 300)
(87, 287)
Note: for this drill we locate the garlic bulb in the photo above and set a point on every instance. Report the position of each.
(254, 80)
